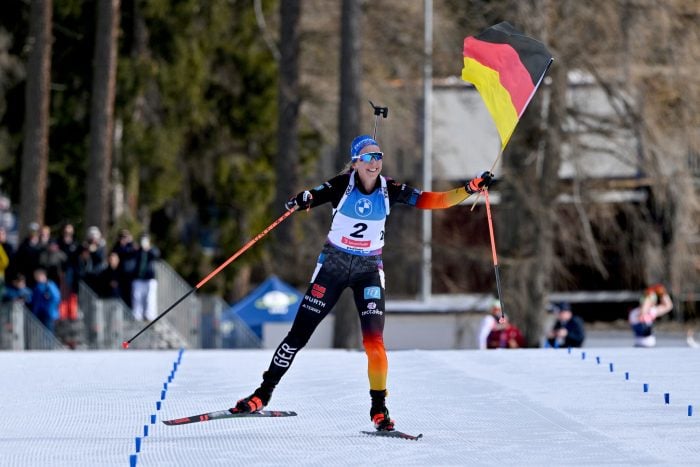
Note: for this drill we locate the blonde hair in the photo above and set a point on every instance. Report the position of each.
(348, 168)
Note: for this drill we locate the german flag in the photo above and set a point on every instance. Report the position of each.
(506, 67)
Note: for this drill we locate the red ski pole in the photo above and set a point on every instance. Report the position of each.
(493, 252)
(233, 257)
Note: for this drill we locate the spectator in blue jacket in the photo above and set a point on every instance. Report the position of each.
(45, 299)
(17, 290)
(568, 330)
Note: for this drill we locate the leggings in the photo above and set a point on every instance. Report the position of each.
(336, 270)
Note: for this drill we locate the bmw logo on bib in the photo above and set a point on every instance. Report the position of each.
(363, 207)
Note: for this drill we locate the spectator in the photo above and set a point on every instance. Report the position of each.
(110, 280)
(45, 299)
(69, 286)
(497, 332)
(6, 256)
(126, 250)
(27, 257)
(70, 246)
(505, 335)
(655, 302)
(489, 323)
(53, 259)
(17, 290)
(44, 236)
(144, 286)
(568, 330)
(92, 258)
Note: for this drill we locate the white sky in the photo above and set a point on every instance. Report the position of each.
(539, 407)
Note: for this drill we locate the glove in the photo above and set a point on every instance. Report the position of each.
(300, 201)
(479, 183)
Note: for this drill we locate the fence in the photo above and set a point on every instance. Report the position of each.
(21, 330)
(185, 317)
(198, 318)
(105, 319)
(106, 323)
(109, 322)
(237, 333)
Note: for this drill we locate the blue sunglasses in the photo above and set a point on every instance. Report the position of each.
(368, 156)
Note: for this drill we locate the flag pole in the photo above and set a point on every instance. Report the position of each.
(493, 253)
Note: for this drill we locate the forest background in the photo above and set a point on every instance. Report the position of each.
(194, 121)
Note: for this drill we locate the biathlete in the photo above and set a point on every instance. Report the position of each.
(352, 257)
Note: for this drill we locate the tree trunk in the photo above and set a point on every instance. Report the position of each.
(287, 162)
(346, 323)
(102, 115)
(130, 163)
(527, 213)
(350, 79)
(36, 120)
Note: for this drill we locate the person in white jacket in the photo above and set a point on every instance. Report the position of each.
(489, 323)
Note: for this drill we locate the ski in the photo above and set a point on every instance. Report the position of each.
(393, 434)
(205, 417)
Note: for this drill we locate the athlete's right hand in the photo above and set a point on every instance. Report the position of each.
(300, 201)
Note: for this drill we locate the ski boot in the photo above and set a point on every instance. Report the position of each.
(253, 403)
(379, 413)
(248, 404)
(381, 420)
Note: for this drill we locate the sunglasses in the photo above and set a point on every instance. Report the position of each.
(368, 156)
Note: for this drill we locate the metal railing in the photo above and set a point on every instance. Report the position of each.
(21, 330)
(185, 317)
(106, 323)
(109, 321)
(237, 334)
(105, 319)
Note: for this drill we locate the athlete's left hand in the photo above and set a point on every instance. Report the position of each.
(479, 183)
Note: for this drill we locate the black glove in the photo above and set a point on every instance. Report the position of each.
(300, 201)
(479, 183)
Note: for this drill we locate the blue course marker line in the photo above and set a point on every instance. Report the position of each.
(139, 441)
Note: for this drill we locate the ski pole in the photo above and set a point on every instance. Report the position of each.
(233, 257)
(493, 252)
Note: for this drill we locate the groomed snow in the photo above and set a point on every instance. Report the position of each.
(508, 407)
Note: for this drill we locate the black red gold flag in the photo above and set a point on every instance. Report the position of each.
(506, 67)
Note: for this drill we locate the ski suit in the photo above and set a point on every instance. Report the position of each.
(351, 257)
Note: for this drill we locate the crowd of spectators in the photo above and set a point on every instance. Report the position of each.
(45, 271)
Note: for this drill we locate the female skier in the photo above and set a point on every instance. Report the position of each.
(352, 257)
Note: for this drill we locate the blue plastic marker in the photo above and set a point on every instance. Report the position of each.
(690, 410)
(597, 359)
(132, 460)
(583, 355)
(138, 444)
(162, 395)
(145, 431)
(153, 419)
(611, 368)
(627, 375)
(157, 405)
(646, 387)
